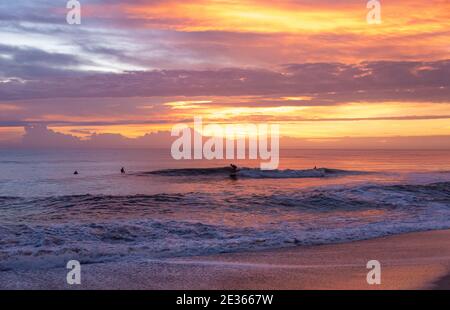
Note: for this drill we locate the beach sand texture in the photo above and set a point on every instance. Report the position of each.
(408, 261)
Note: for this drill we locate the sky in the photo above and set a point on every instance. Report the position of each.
(134, 68)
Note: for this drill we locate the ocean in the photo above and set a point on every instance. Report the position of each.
(162, 208)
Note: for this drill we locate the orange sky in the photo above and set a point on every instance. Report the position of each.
(315, 67)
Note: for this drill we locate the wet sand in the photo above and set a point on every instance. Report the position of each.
(409, 261)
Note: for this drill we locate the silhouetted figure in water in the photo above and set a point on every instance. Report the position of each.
(315, 167)
(76, 172)
(234, 171)
(122, 170)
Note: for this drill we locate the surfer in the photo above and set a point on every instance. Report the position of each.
(122, 170)
(76, 172)
(234, 171)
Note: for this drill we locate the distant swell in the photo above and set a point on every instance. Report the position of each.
(254, 173)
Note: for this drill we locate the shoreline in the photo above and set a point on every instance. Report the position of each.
(419, 260)
(442, 284)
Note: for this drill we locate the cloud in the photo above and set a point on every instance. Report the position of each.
(236, 54)
(38, 136)
(23, 64)
(402, 80)
(148, 35)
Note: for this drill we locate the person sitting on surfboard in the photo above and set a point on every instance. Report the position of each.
(122, 170)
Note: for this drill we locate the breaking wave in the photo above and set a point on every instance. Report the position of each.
(255, 173)
(45, 232)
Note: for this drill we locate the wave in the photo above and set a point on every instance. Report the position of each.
(49, 246)
(318, 198)
(327, 197)
(48, 231)
(255, 173)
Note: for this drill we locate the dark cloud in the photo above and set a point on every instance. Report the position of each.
(382, 80)
(32, 64)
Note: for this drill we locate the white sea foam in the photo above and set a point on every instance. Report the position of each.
(97, 228)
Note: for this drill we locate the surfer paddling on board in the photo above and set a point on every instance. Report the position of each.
(234, 171)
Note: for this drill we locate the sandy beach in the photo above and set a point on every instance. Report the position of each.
(408, 261)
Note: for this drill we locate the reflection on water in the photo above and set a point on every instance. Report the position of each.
(50, 173)
(48, 214)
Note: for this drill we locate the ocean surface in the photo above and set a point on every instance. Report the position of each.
(163, 208)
